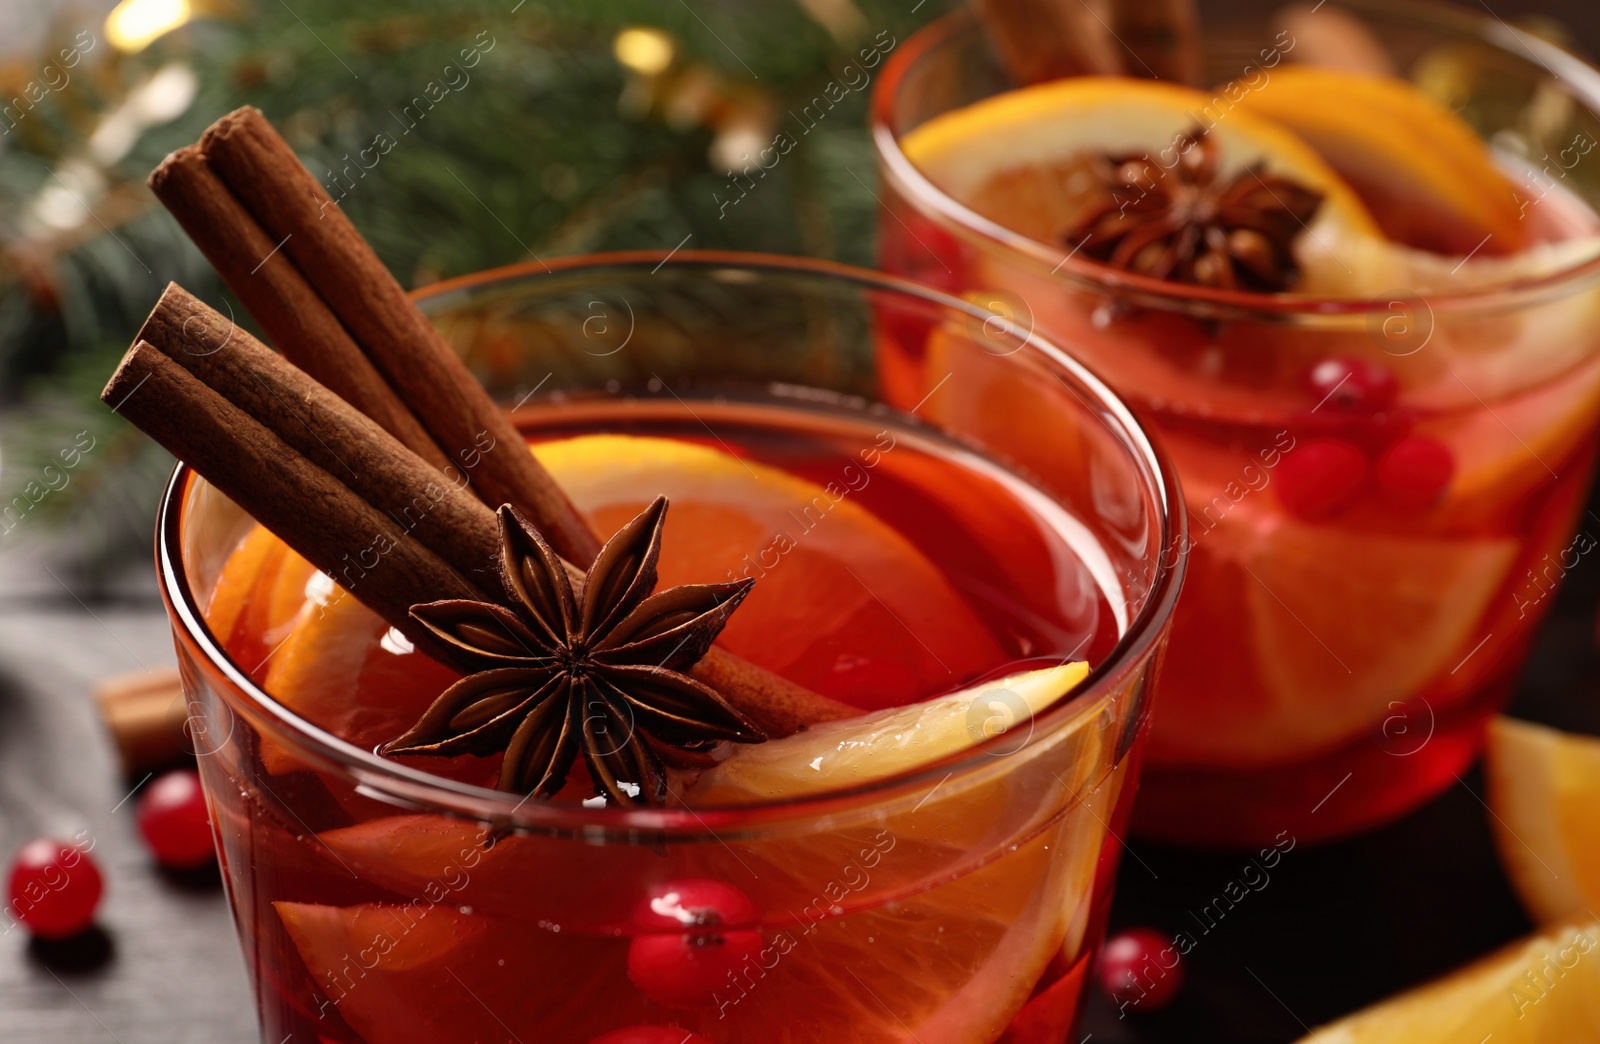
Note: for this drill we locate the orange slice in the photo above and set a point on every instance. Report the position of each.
(875, 746)
(427, 973)
(1012, 157)
(343, 670)
(258, 555)
(1539, 990)
(1510, 450)
(258, 598)
(1315, 629)
(1544, 788)
(836, 588)
(1425, 174)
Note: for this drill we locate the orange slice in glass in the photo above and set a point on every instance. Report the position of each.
(1422, 171)
(257, 558)
(344, 670)
(955, 961)
(972, 925)
(836, 587)
(1018, 158)
(1315, 629)
(841, 754)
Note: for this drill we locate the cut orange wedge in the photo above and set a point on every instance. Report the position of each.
(428, 973)
(1426, 176)
(343, 670)
(1508, 452)
(835, 755)
(1544, 788)
(1540, 990)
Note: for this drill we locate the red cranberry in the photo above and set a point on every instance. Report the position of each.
(1320, 477)
(1415, 472)
(1140, 968)
(1350, 383)
(649, 1035)
(692, 946)
(173, 819)
(54, 888)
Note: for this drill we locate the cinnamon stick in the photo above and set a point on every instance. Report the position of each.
(245, 174)
(312, 511)
(1043, 40)
(330, 433)
(777, 705)
(272, 288)
(343, 492)
(1162, 38)
(263, 172)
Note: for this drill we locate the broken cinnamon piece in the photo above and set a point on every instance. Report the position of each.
(145, 712)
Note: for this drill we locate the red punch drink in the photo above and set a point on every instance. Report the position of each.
(936, 865)
(1373, 362)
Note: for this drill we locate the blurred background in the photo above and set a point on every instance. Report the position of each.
(494, 132)
(460, 135)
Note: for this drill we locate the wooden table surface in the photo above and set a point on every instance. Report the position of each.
(164, 968)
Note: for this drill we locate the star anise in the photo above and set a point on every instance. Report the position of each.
(556, 674)
(1182, 224)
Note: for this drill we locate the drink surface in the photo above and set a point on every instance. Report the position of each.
(890, 567)
(1380, 506)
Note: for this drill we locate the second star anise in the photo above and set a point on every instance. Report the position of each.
(1182, 223)
(557, 675)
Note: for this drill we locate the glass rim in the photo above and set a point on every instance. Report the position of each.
(414, 786)
(1577, 76)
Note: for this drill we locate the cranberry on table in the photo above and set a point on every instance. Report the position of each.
(174, 822)
(1351, 383)
(1141, 968)
(649, 1035)
(1320, 477)
(1415, 472)
(54, 888)
(692, 944)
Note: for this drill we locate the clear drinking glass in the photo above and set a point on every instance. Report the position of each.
(961, 898)
(1326, 674)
